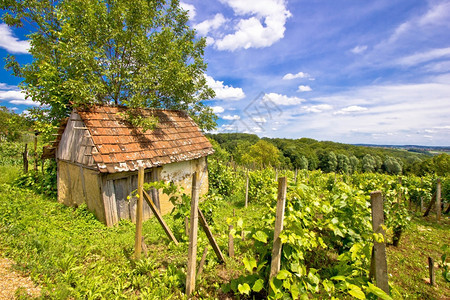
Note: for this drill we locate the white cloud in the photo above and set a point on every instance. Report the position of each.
(359, 49)
(265, 26)
(24, 102)
(350, 109)
(217, 109)
(259, 119)
(231, 117)
(189, 8)
(424, 56)
(205, 27)
(279, 99)
(224, 92)
(290, 76)
(304, 88)
(12, 95)
(10, 43)
(317, 108)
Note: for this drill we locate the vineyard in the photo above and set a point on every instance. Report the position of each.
(327, 240)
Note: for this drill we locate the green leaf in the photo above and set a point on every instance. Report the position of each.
(249, 263)
(283, 274)
(258, 286)
(244, 289)
(260, 236)
(377, 292)
(240, 223)
(338, 278)
(356, 291)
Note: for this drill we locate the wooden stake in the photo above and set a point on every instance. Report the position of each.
(230, 242)
(210, 237)
(159, 217)
(25, 159)
(379, 249)
(246, 190)
(276, 250)
(139, 209)
(192, 252)
(35, 153)
(202, 262)
(431, 270)
(438, 200)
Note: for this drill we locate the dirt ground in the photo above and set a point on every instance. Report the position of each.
(11, 280)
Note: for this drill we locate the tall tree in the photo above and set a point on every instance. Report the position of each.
(134, 53)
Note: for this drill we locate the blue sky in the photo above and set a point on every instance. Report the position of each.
(346, 71)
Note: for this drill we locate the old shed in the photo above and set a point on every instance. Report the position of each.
(98, 154)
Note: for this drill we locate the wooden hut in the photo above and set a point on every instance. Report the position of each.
(98, 153)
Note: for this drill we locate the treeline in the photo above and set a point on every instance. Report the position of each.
(305, 153)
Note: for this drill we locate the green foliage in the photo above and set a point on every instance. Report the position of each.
(137, 54)
(12, 125)
(262, 154)
(41, 183)
(331, 157)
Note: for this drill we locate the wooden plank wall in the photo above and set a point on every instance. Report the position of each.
(76, 143)
(119, 200)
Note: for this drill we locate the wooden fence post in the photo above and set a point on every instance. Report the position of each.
(246, 190)
(379, 263)
(230, 242)
(35, 152)
(192, 252)
(276, 250)
(431, 270)
(25, 159)
(438, 200)
(139, 209)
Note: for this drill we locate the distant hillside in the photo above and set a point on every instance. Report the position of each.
(306, 153)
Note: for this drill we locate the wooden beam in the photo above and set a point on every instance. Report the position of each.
(160, 218)
(210, 237)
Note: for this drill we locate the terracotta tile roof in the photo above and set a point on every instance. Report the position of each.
(122, 147)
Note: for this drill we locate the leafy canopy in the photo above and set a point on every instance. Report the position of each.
(135, 53)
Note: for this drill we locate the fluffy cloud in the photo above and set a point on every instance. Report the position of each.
(10, 43)
(217, 109)
(264, 25)
(359, 49)
(350, 109)
(290, 76)
(317, 108)
(205, 27)
(231, 117)
(304, 88)
(224, 92)
(279, 99)
(189, 8)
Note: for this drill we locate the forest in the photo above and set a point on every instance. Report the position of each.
(309, 154)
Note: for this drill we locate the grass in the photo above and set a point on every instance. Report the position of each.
(71, 255)
(408, 263)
